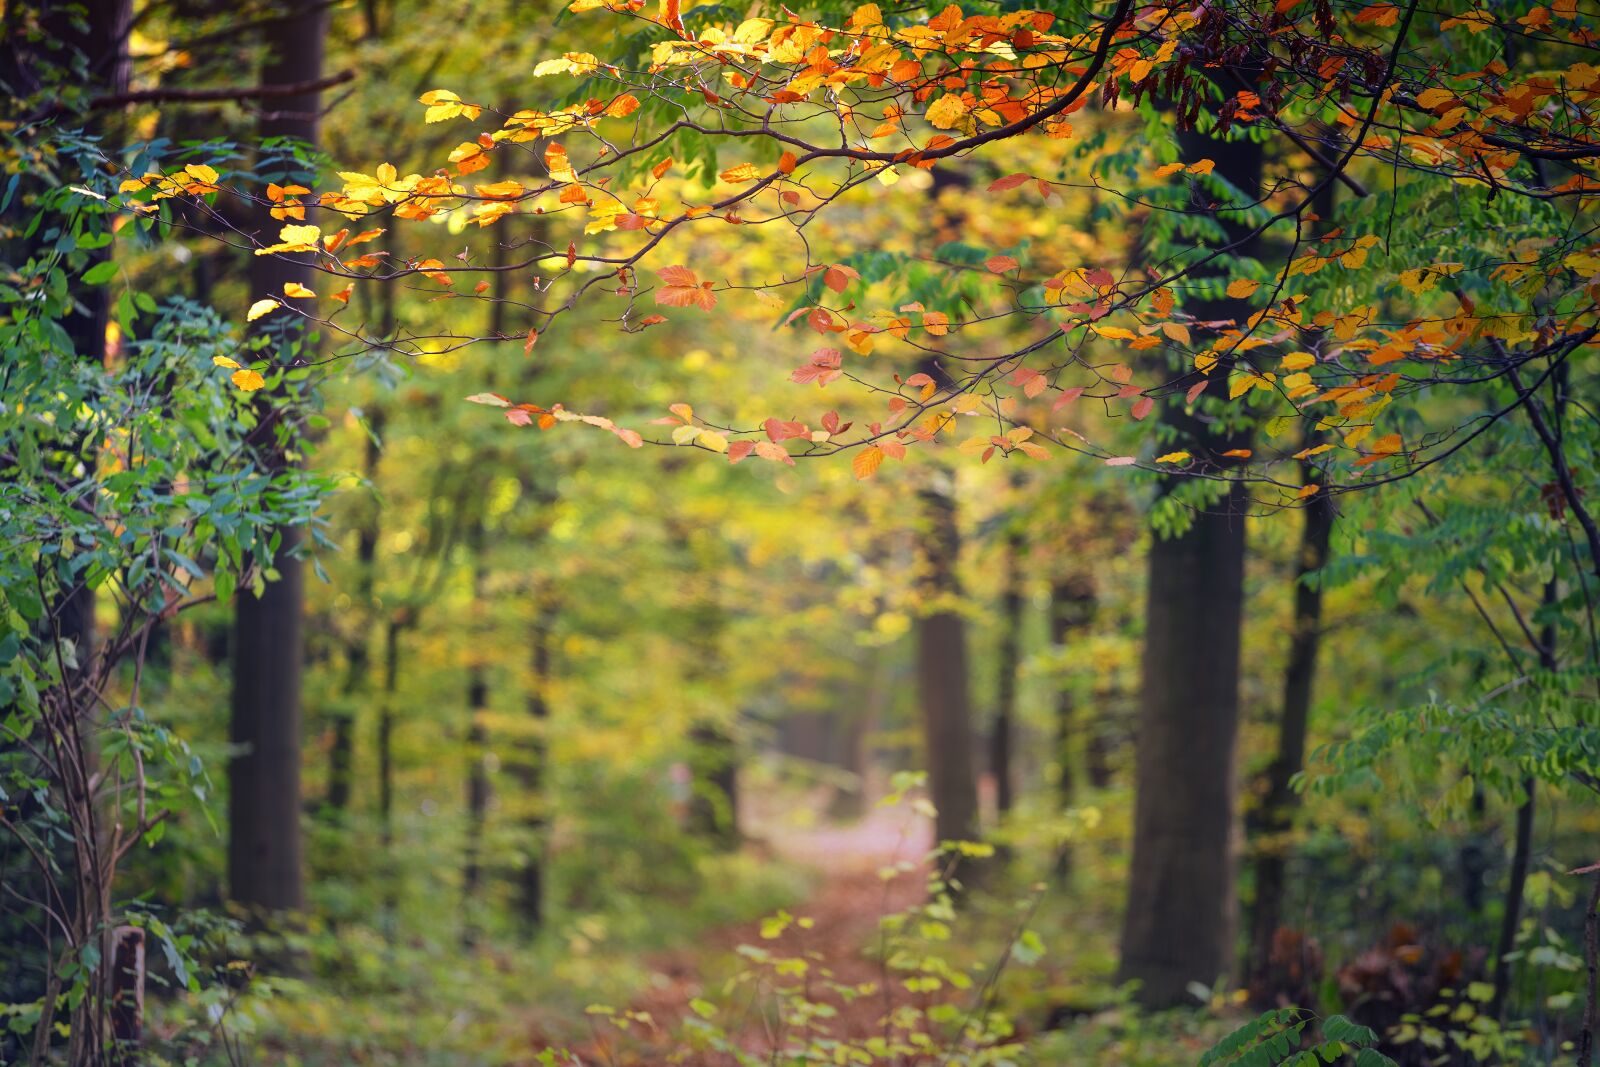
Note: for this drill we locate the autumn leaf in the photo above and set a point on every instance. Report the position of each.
(224, 361)
(1240, 288)
(948, 112)
(443, 104)
(297, 291)
(838, 277)
(866, 462)
(744, 172)
(264, 306)
(494, 400)
(1010, 181)
(1174, 457)
(294, 238)
(247, 380)
(1001, 264)
(681, 288)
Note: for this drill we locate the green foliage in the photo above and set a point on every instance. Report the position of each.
(1279, 1037)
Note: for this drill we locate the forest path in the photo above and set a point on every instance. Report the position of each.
(845, 905)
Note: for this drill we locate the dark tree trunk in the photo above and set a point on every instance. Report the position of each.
(265, 855)
(1277, 808)
(1072, 606)
(358, 657)
(942, 677)
(536, 775)
(385, 746)
(1009, 657)
(714, 805)
(477, 755)
(1181, 911)
(1522, 849)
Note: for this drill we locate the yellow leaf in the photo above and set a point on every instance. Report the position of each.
(867, 461)
(248, 380)
(224, 361)
(1307, 453)
(1173, 457)
(1307, 490)
(1240, 288)
(297, 291)
(713, 440)
(261, 307)
(1432, 98)
(947, 112)
(1201, 166)
(1299, 361)
(744, 172)
(1115, 333)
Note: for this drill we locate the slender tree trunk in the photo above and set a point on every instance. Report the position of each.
(358, 658)
(1522, 849)
(385, 746)
(1278, 807)
(477, 753)
(942, 676)
(1072, 606)
(1009, 657)
(1181, 910)
(536, 775)
(265, 855)
(1591, 962)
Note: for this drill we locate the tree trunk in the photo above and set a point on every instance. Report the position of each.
(1278, 807)
(1009, 657)
(477, 754)
(358, 658)
(391, 684)
(536, 774)
(942, 678)
(1522, 849)
(265, 855)
(1181, 911)
(1072, 606)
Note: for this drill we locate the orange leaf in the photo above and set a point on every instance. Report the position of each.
(867, 462)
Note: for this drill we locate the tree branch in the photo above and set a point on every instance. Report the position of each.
(208, 96)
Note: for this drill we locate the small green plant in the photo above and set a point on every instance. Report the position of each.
(1279, 1038)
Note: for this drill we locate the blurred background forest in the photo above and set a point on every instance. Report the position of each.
(547, 750)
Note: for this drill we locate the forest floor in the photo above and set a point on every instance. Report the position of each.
(850, 895)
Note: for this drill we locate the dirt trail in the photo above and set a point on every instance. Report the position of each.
(850, 897)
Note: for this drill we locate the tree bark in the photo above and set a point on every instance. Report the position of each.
(477, 754)
(535, 777)
(942, 675)
(1009, 657)
(1181, 910)
(265, 854)
(1277, 808)
(1072, 607)
(358, 657)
